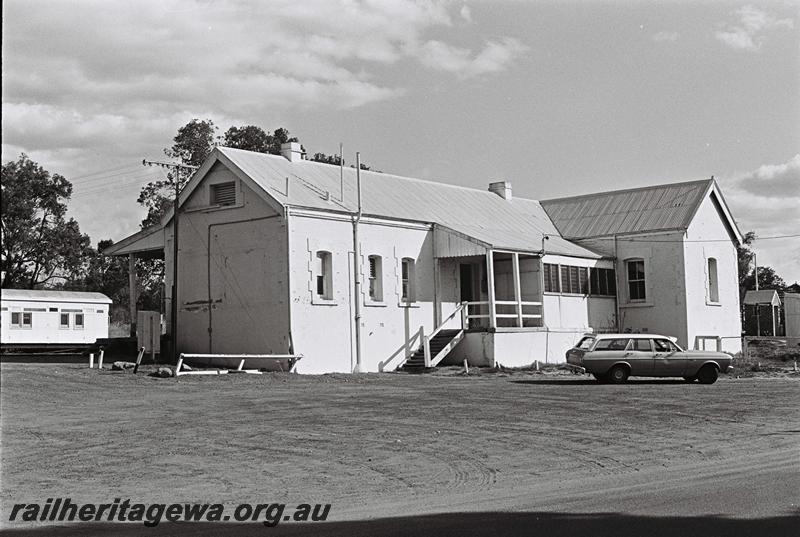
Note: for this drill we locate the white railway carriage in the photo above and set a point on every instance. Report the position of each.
(45, 319)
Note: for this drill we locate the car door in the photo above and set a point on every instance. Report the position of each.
(606, 353)
(668, 361)
(640, 355)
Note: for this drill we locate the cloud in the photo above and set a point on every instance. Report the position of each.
(767, 200)
(747, 33)
(664, 36)
(496, 56)
(466, 13)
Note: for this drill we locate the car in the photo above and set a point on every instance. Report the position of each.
(615, 357)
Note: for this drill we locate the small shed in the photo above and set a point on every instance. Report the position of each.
(45, 318)
(762, 313)
(791, 314)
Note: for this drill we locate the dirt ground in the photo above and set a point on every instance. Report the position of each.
(400, 445)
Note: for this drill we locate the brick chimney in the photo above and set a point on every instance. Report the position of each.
(292, 151)
(502, 189)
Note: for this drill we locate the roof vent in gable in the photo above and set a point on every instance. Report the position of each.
(223, 194)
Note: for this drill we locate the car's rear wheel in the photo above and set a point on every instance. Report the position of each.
(707, 374)
(618, 374)
(690, 379)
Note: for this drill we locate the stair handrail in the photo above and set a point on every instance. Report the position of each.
(426, 341)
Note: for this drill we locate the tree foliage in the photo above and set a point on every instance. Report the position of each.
(39, 244)
(254, 138)
(335, 160)
(767, 277)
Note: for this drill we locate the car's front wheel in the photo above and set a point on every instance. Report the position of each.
(707, 374)
(618, 374)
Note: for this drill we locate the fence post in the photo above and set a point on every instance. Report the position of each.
(100, 359)
(91, 360)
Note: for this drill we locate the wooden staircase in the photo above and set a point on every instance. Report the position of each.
(439, 346)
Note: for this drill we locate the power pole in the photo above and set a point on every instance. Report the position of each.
(176, 170)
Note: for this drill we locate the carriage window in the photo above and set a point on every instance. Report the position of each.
(79, 321)
(64, 320)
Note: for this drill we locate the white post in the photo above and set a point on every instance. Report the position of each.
(91, 360)
(241, 366)
(466, 366)
(490, 290)
(427, 348)
(517, 287)
(464, 320)
(100, 359)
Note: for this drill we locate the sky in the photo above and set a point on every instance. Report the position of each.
(560, 98)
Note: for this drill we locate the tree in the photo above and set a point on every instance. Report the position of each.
(335, 160)
(767, 277)
(253, 138)
(39, 245)
(191, 146)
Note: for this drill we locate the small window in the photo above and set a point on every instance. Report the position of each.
(223, 194)
(63, 320)
(574, 280)
(375, 278)
(16, 319)
(408, 280)
(611, 344)
(636, 280)
(52, 310)
(551, 283)
(603, 282)
(79, 321)
(27, 319)
(664, 345)
(323, 275)
(713, 282)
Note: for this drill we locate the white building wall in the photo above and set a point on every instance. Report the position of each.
(323, 330)
(664, 309)
(245, 276)
(707, 238)
(46, 327)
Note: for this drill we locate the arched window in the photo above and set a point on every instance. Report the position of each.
(713, 281)
(407, 280)
(375, 278)
(323, 275)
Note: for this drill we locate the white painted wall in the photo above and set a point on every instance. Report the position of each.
(664, 309)
(46, 325)
(322, 331)
(247, 280)
(707, 238)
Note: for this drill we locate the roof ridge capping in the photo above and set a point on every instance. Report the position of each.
(626, 190)
(352, 169)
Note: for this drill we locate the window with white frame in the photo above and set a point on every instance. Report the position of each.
(636, 280)
(63, 320)
(323, 275)
(407, 280)
(375, 278)
(713, 281)
(16, 319)
(21, 319)
(78, 321)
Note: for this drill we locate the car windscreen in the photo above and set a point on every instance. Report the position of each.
(585, 343)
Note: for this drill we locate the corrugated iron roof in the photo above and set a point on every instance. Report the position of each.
(651, 208)
(517, 224)
(763, 296)
(48, 295)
